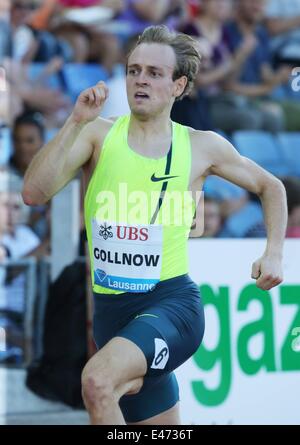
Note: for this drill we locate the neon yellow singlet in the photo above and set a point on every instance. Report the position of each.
(128, 234)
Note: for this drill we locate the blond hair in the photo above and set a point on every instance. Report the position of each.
(188, 57)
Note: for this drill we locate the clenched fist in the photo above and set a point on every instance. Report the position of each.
(267, 271)
(90, 102)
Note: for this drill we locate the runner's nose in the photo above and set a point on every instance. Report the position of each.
(142, 79)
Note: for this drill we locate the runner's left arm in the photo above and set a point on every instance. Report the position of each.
(227, 163)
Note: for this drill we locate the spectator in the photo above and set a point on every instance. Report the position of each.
(11, 103)
(292, 187)
(16, 241)
(283, 23)
(193, 111)
(79, 3)
(24, 43)
(4, 29)
(78, 38)
(41, 17)
(36, 95)
(89, 42)
(208, 26)
(252, 86)
(4, 8)
(194, 7)
(217, 65)
(208, 223)
(138, 14)
(115, 5)
(29, 44)
(72, 37)
(178, 14)
(212, 218)
(28, 138)
(16, 237)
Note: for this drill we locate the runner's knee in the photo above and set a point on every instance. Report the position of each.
(97, 391)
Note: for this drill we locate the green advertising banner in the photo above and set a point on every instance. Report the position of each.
(247, 370)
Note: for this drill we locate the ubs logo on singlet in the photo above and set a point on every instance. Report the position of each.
(132, 233)
(105, 231)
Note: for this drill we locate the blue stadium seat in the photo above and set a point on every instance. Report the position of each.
(263, 148)
(220, 189)
(54, 81)
(285, 92)
(240, 223)
(79, 76)
(5, 145)
(290, 147)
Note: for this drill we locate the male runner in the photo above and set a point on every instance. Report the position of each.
(148, 315)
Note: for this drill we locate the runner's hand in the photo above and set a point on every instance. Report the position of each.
(90, 103)
(267, 271)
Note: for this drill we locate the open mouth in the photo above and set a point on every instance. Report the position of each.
(141, 96)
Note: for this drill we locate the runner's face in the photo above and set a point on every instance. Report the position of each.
(149, 82)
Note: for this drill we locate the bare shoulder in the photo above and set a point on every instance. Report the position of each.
(208, 150)
(98, 129)
(211, 145)
(209, 140)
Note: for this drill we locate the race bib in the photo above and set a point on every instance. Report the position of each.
(127, 257)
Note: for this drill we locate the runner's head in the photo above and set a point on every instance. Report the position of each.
(161, 68)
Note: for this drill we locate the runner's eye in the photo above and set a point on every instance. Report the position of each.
(155, 74)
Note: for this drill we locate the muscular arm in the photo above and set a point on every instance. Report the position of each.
(57, 162)
(227, 163)
(60, 159)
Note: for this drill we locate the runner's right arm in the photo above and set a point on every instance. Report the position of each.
(61, 158)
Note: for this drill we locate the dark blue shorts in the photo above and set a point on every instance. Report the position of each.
(167, 324)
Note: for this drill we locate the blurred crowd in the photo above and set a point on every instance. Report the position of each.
(50, 50)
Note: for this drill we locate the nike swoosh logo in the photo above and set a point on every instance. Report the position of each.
(161, 178)
(146, 315)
